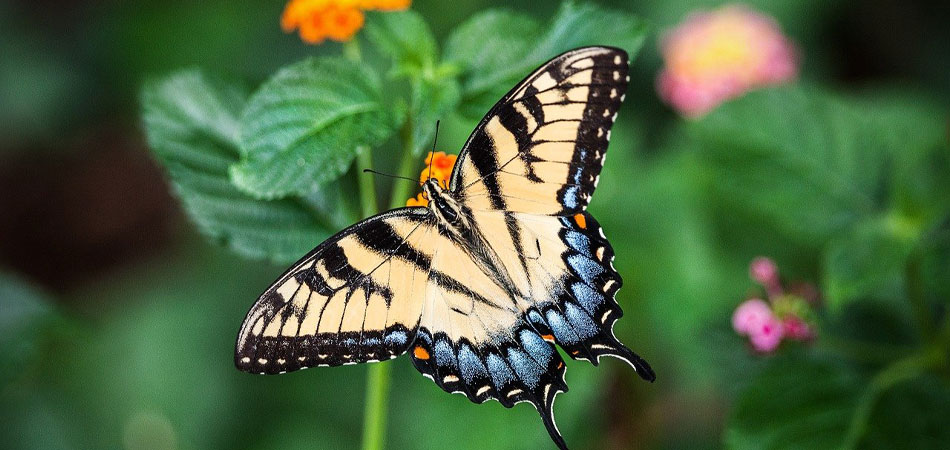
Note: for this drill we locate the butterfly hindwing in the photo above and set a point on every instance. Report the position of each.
(357, 297)
(541, 148)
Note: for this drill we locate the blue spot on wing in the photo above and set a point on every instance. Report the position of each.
(396, 338)
(528, 371)
(578, 173)
(585, 267)
(582, 323)
(444, 356)
(499, 371)
(570, 197)
(587, 297)
(540, 350)
(561, 329)
(469, 365)
(578, 241)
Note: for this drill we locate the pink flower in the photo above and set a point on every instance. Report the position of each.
(765, 271)
(750, 316)
(767, 336)
(797, 329)
(718, 55)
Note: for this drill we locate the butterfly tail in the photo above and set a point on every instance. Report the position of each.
(546, 409)
(639, 364)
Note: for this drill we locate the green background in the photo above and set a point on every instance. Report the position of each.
(118, 317)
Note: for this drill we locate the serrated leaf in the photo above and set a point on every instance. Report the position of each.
(797, 157)
(794, 404)
(574, 25)
(302, 129)
(192, 122)
(405, 37)
(503, 37)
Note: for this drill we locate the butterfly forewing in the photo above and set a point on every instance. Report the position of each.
(541, 148)
(357, 297)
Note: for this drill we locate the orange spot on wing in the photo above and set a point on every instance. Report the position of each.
(420, 353)
(575, 352)
(560, 364)
(547, 337)
(580, 220)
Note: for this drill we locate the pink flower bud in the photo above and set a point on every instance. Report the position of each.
(767, 336)
(750, 315)
(797, 329)
(765, 271)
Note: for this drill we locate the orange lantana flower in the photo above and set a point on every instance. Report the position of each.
(438, 166)
(339, 20)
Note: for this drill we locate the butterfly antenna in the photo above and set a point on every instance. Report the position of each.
(434, 141)
(374, 172)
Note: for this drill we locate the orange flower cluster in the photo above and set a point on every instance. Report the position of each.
(339, 20)
(438, 166)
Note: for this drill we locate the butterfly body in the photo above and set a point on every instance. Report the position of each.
(479, 286)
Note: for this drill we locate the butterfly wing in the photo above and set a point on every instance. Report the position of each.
(540, 149)
(525, 177)
(357, 297)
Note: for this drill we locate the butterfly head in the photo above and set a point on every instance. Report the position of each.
(442, 202)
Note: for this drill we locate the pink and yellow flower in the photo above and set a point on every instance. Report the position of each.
(718, 55)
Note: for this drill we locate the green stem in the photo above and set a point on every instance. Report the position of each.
(401, 189)
(351, 50)
(367, 183)
(917, 297)
(892, 375)
(374, 418)
(377, 380)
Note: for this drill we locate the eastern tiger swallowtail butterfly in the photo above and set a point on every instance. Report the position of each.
(480, 285)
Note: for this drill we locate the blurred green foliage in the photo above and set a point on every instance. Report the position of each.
(844, 184)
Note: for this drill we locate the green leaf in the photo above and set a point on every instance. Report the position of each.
(191, 122)
(913, 415)
(868, 262)
(814, 164)
(519, 52)
(491, 39)
(794, 403)
(23, 310)
(432, 99)
(405, 37)
(302, 129)
(797, 157)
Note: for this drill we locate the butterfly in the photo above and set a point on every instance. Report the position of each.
(478, 286)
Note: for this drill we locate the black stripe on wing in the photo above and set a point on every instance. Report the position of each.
(518, 367)
(294, 348)
(595, 79)
(582, 317)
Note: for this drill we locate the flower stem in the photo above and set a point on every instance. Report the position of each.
(364, 160)
(377, 380)
(374, 417)
(892, 375)
(401, 189)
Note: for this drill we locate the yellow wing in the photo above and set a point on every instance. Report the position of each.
(541, 147)
(357, 297)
